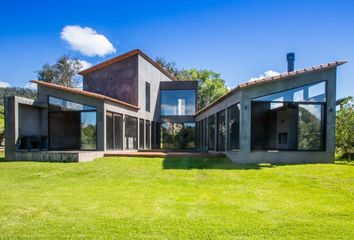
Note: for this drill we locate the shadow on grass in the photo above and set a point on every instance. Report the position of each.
(222, 163)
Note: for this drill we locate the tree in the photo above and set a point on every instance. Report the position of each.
(345, 128)
(211, 85)
(63, 72)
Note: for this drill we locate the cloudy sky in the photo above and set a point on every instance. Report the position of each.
(242, 40)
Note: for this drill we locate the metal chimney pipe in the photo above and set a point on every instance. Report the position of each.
(290, 57)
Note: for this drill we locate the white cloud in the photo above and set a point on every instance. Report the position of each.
(4, 84)
(31, 86)
(269, 73)
(87, 41)
(84, 64)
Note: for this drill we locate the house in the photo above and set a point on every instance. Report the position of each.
(130, 103)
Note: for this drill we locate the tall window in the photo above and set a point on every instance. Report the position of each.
(234, 127)
(290, 120)
(141, 133)
(147, 96)
(114, 131)
(211, 132)
(177, 102)
(148, 133)
(221, 130)
(131, 125)
(71, 125)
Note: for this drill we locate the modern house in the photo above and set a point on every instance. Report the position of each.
(130, 103)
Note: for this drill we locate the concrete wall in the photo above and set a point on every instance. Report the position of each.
(23, 117)
(118, 80)
(244, 96)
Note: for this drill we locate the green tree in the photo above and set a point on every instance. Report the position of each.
(63, 72)
(211, 85)
(345, 128)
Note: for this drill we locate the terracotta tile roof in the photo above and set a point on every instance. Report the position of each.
(85, 93)
(123, 57)
(265, 80)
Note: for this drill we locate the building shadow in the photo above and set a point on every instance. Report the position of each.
(222, 163)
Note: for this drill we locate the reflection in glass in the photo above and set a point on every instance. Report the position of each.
(177, 102)
(310, 127)
(177, 135)
(234, 127)
(141, 133)
(309, 93)
(211, 133)
(131, 132)
(109, 131)
(148, 137)
(88, 130)
(57, 104)
(221, 131)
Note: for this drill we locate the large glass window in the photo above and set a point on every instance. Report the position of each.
(221, 130)
(71, 125)
(290, 120)
(177, 102)
(131, 132)
(211, 133)
(114, 133)
(234, 127)
(309, 93)
(141, 133)
(148, 137)
(177, 135)
(109, 131)
(310, 132)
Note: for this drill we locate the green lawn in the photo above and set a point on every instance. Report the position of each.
(175, 198)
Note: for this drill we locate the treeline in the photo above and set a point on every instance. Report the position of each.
(12, 91)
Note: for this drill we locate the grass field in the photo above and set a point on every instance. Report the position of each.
(175, 198)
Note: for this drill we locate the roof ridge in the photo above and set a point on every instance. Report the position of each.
(123, 57)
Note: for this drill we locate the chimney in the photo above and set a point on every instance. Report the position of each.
(291, 59)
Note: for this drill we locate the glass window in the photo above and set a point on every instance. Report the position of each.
(293, 126)
(177, 135)
(57, 104)
(148, 137)
(309, 93)
(177, 102)
(114, 126)
(131, 132)
(109, 131)
(71, 125)
(211, 133)
(310, 133)
(234, 127)
(141, 133)
(221, 130)
(147, 96)
(118, 131)
(88, 130)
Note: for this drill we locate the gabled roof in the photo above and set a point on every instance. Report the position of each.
(85, 93)
(123, 57)
(266, 80)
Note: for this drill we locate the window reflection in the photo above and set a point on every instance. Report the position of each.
(177, 135)
(177, 102)
(309, 93)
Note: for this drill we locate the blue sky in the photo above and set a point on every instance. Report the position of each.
(239, 39)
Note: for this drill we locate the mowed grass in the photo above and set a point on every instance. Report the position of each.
(175, 198)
